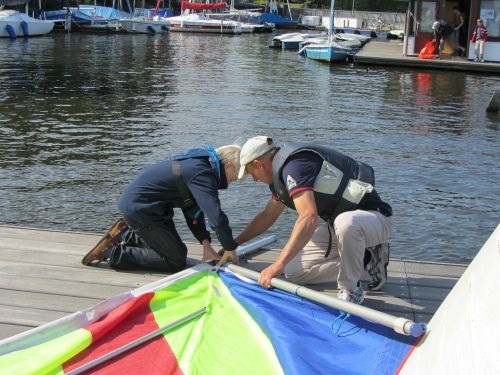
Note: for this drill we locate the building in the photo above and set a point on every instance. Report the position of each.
(422, 13)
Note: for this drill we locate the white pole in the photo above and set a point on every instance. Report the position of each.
(400, 325)
(250, 248)
(289, 10)
(332, 27)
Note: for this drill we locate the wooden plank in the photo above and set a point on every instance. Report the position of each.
(61, 287)
(435, 269)
(41, 257)
(433, 281)
(45, 301)
(8, 330)
(131, 279)
(29, 317)
(428, 293)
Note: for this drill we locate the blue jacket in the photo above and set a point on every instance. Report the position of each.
(153, 193)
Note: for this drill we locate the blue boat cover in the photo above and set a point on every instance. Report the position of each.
(273, 18)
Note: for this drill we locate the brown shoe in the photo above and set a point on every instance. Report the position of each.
(108, 240)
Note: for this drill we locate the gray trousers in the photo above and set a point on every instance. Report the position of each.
(352, 232)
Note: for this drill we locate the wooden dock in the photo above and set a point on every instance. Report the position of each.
(42, 279)
(390, 53)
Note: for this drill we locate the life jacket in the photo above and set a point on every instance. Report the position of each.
(208, 153)
(427, 52)
(483, 31)
(340, 185)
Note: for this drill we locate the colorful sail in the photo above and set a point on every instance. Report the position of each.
(246, 329)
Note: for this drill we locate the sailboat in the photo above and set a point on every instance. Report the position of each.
(200, 22)
(142, 24)
(328, 50)
(14, 23)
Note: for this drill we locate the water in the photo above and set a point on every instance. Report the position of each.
(81, 114)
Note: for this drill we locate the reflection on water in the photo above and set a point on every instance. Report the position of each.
(81, 114)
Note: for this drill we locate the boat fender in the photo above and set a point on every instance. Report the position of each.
(24, 27)
(373, 34)
(151, 30)
(357, 32)
(164, 27)
(10, 31)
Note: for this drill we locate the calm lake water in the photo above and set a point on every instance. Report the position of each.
(81, 114)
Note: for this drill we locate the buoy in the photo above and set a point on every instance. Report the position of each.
(151, 30)
(164, 27)
(10, 31)
(24, 27)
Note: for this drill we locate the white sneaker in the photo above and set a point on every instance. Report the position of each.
(377, 268)
(355, 296)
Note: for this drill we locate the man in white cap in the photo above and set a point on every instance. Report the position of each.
(320, 182)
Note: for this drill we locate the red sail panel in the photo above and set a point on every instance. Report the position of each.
(200, 6)
(127, 323)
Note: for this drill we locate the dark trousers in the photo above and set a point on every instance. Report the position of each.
(155, 247)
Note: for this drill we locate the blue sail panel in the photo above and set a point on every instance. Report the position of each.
(310, 338)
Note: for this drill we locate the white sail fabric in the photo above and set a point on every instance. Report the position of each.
(464, 334)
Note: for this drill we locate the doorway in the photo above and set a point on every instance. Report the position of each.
(428, 11)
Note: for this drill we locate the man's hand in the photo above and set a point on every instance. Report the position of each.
(229, 257)
(210, 256)
(268, 273)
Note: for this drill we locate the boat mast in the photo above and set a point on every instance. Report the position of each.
(331, 29)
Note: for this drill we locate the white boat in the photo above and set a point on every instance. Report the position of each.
(292, 40)
(14, 24)
(351, 36)
(142, 25)
(198, 22)
(244, 18)
(352, 44)
(295, 41)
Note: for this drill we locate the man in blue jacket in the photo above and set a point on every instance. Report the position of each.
(320, 183)
(147, 237)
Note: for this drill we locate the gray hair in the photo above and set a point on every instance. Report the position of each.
(230, 154)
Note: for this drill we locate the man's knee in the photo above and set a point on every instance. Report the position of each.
(345, 224)
(295, 272)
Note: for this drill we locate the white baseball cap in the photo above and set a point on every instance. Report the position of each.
(253, 149)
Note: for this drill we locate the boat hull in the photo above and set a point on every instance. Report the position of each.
(326, 53)
(144, 26)
(21, 25)
(201, 27)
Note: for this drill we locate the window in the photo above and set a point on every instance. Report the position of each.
(428, 16)
(489, 11)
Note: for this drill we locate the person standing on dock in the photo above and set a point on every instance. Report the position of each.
(458, 28)
(442, 30)
(147, 238)
(320, 182)
(479, 37)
